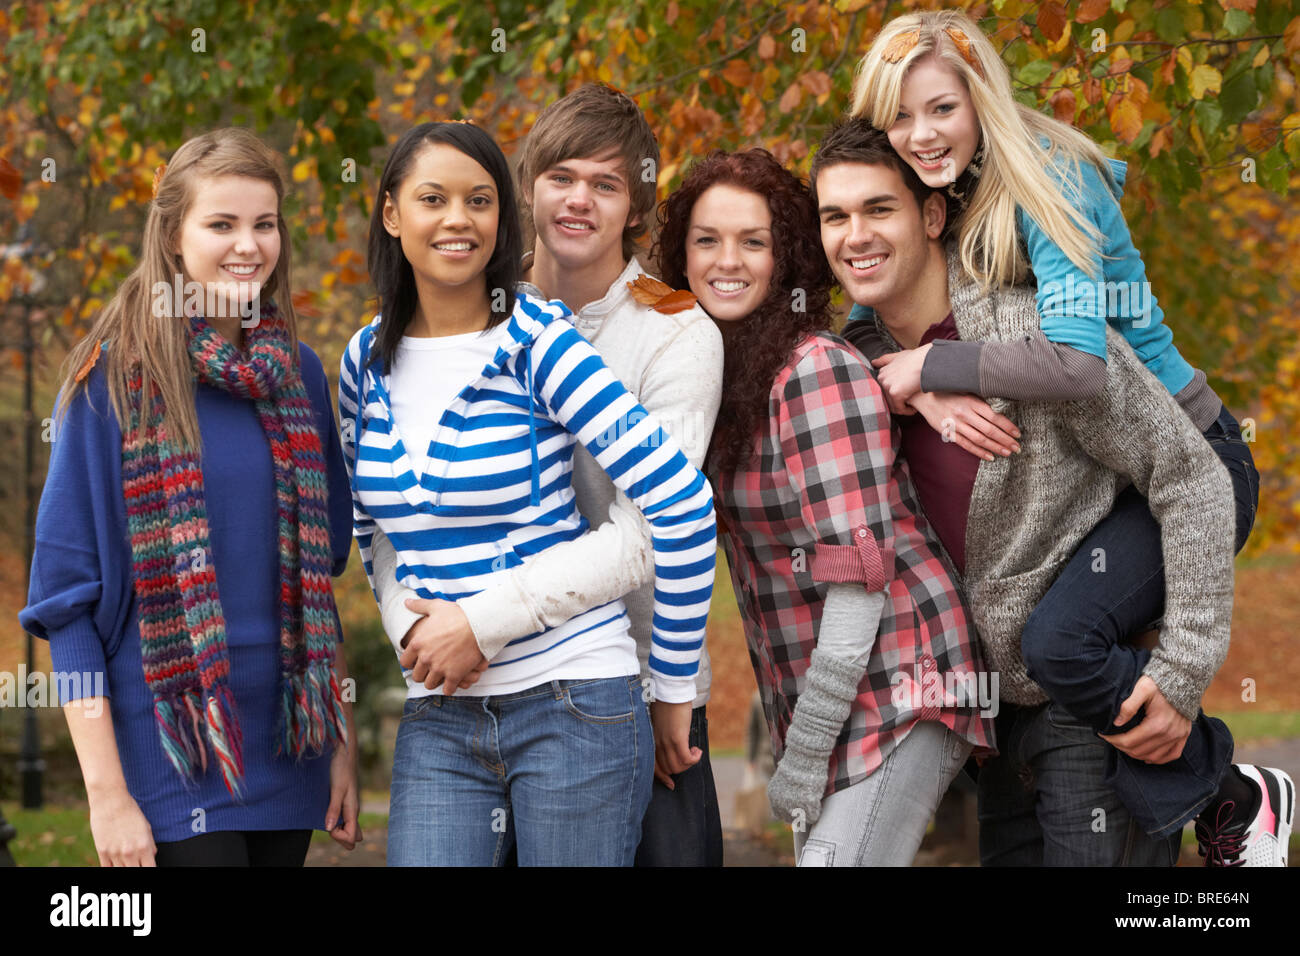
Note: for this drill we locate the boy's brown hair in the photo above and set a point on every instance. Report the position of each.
(857, 141)
(590, 123)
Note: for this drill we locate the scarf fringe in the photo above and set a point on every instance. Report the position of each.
(182, 742)
(227, 739)
(184, 723)
(311, 712)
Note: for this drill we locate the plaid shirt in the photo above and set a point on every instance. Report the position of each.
(827, 500)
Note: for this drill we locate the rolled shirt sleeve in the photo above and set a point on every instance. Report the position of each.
(836, 442)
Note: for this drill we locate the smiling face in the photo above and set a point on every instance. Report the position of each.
(874, 236)
(445, 213)
(580, 208)
(229, 240)
(729, 261)
(937, 131)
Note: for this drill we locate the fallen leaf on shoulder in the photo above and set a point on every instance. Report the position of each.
(659, 295)
(648, 290)
(678, 301)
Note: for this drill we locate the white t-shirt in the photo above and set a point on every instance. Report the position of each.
(427, 374)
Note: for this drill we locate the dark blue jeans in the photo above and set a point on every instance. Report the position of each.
(1043, 801)
(682, 827)
(1072, 644)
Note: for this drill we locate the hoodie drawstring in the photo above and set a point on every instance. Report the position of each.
(536, 498)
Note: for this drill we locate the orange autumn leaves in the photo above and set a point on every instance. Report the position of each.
(659, 295)
(11, 181)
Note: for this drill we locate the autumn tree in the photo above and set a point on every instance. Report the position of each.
(1198, 97)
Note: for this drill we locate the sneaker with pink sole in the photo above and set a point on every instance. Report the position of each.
(1254, 832)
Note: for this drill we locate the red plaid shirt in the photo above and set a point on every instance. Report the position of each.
(827, 500)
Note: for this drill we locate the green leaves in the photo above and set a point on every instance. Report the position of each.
(1238, 97)
(1236, 22)
(1169, 25)
(1209, 115)
(1034, 72)
(1274, 169)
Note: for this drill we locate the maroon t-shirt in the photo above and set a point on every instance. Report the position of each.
(942, 471)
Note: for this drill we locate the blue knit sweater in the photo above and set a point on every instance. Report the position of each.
(81, 601)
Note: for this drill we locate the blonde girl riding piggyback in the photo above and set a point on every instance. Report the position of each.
(1027, 192)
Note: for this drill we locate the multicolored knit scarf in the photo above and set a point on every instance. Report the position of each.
(182, 628)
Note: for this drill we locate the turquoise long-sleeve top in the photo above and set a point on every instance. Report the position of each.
(1074, 306)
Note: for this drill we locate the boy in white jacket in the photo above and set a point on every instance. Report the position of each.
(587, 173)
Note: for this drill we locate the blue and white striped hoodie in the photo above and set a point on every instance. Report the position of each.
(497, 489)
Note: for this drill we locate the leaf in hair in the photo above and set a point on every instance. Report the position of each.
(962, 43)
(900, 46)
(89, 363)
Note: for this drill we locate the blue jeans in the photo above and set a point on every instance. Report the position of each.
(683, 827)
(561, 771)
(1072, 644)
(1043, 802)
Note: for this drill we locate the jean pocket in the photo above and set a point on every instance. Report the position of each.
(817, 853)
(608, 701)
(955, 751)
(1062, 720)
(417, 707)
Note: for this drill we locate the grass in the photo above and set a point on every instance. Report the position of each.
(61, 836)
(52, 836)
(1250, 726)
(1272, 560)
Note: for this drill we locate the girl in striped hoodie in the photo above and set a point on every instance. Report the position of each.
(461, 405)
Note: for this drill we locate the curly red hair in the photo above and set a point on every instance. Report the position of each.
(757, 346)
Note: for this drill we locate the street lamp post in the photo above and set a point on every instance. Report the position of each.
(31, 765)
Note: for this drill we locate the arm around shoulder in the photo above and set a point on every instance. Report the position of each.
(647, 464)
(682, 388)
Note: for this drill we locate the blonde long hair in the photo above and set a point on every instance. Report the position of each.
(159, 346)
(1014, 171)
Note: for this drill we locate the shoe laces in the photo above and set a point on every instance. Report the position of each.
(1226, 842)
